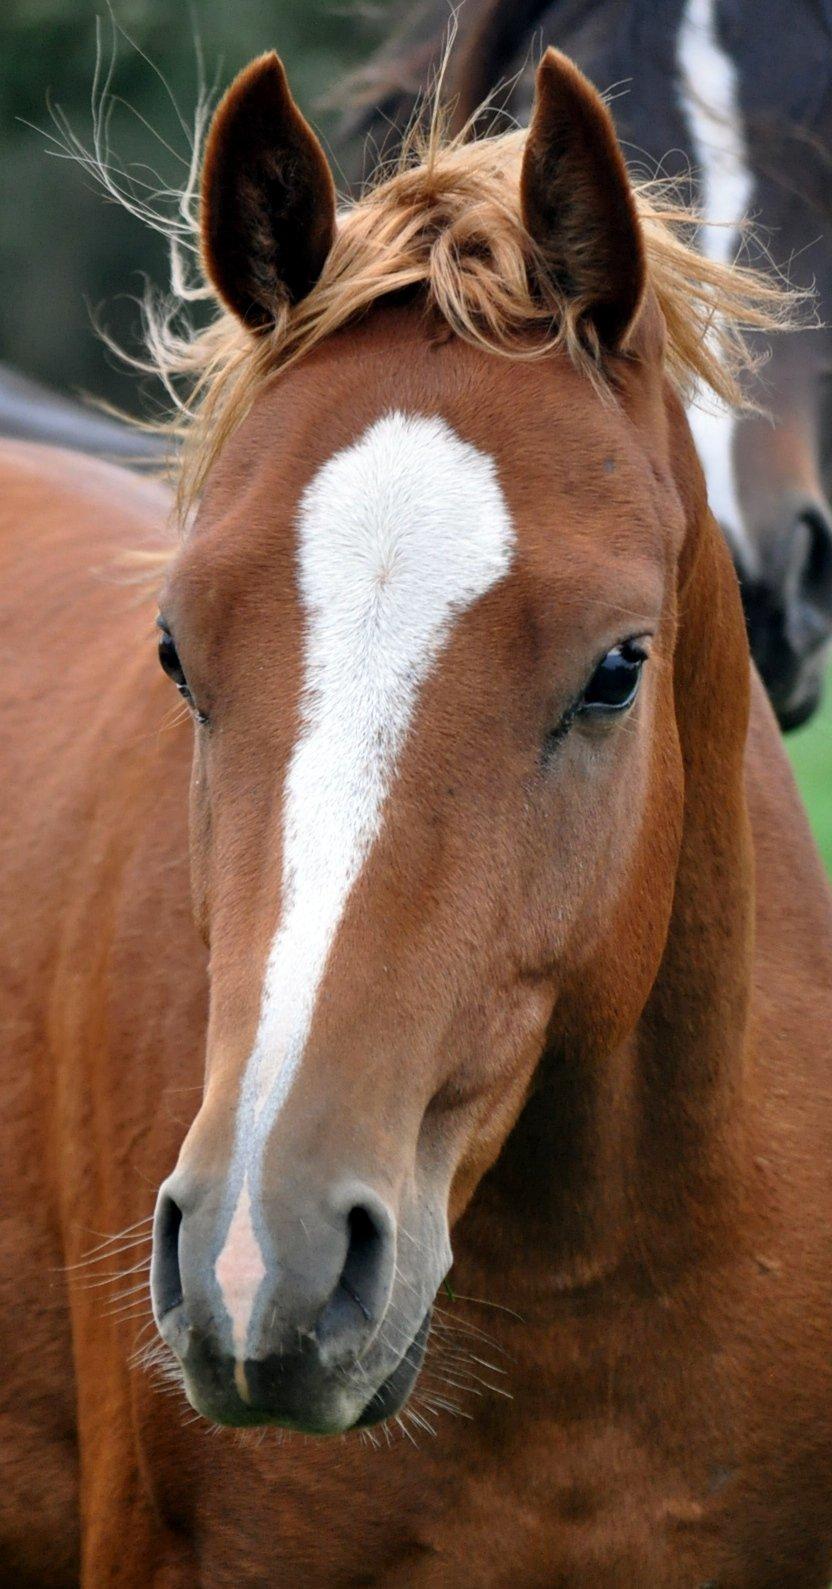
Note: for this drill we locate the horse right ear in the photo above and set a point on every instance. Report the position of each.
(577, 202)
(268, 199)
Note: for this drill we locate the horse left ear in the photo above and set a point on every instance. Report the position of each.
(578, 204)
(268, 199)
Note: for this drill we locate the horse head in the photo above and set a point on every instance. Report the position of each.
(445, 621)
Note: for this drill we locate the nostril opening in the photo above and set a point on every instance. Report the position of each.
(360, 1270)
(360, 1295)
(166, 1280)
(816, 574)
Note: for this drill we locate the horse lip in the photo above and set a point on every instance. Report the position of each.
(224, 1405)
(394, 1391)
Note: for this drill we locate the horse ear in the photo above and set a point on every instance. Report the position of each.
(577, 202)
(268, 199)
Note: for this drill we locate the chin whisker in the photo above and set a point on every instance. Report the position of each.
(405, 1431)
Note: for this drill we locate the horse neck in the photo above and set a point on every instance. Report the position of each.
(635, 1151)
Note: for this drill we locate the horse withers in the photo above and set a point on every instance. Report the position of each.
(513, 947)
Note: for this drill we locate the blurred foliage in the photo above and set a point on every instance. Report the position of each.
(64, 251)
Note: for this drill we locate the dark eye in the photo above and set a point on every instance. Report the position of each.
(171, 665)
(614, 684)
(169, 658)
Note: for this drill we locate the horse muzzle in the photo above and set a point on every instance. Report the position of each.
(788, 609)
(284, 1313)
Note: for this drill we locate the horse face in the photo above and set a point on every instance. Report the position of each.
(434, 668)
(783, 551)
(767, 485)
(426, 620)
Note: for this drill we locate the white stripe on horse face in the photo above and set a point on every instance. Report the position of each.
(397, 535)
(710, 104)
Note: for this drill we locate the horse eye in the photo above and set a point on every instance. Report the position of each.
(614, 684)
(171, 665)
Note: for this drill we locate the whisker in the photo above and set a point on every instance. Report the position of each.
(470, 1357)
(481, 1302)
(405, 1431)
(451, 1407)
(463, 1327)
(445, 1379)
(118, 1274)
(138, 1308)
(420, 1422)
(131, 1291)
(96, 1256)
(106, 1239)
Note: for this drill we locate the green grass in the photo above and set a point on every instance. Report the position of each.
(810, 749)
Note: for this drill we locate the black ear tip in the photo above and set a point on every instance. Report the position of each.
(264, 78)
(260, 89)
(559, 78)
(272, 67)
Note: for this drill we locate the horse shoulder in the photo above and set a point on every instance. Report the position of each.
(100, 973)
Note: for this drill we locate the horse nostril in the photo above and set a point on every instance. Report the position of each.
(360, 1296)
(165, 1277)
(358, 1274)
(815, 581)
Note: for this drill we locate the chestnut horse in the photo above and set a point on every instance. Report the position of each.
(520, 949)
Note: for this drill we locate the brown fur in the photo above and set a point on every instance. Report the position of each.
(600, 989)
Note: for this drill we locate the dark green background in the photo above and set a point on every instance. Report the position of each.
(63, 250)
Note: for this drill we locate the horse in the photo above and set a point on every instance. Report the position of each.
(724, 95)
(29, 411)
(453, 967)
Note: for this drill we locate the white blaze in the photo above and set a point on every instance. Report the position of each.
(240, 1269)
(711, 107)
(397, 535)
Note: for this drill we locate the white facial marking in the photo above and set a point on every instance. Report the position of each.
(397, 535)
(711, 108)
(240, 1269)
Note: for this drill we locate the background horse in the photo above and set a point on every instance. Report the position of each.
(30, 412)
(508, 951)
(731, 94)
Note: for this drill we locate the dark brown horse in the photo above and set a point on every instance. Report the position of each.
(737, 93)
(512, 947)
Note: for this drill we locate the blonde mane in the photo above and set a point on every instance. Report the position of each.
(446, 220)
